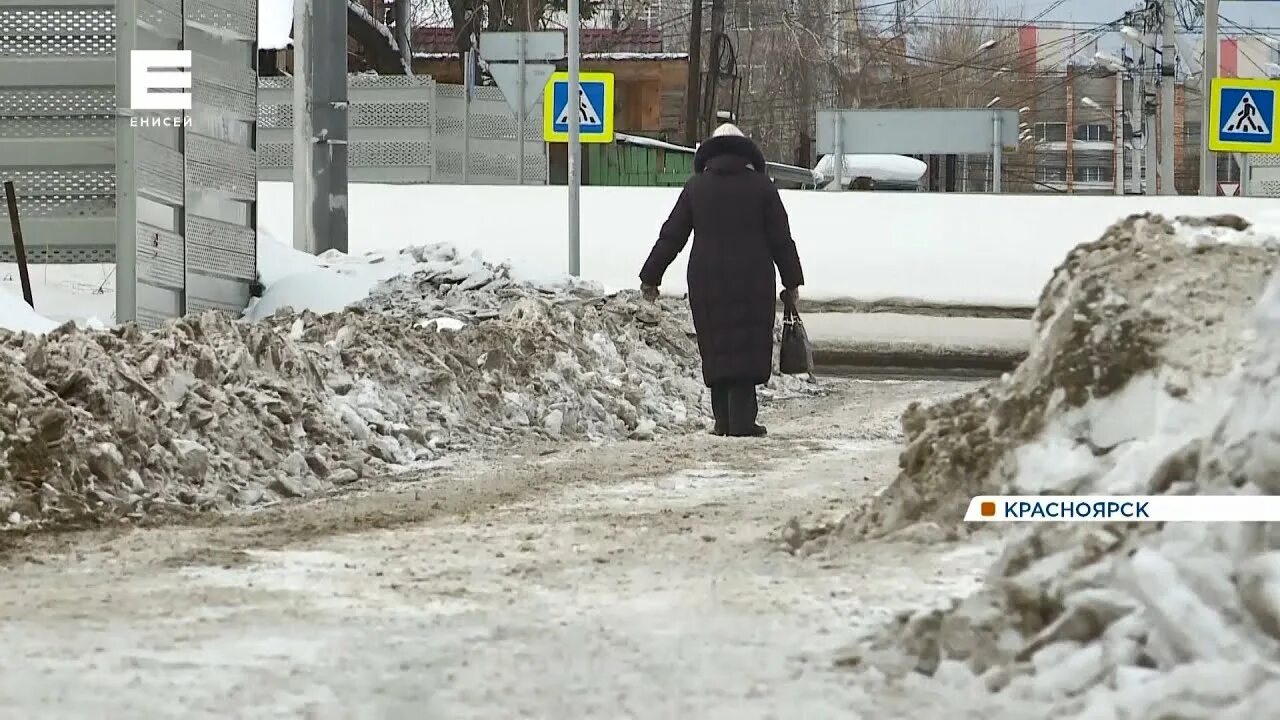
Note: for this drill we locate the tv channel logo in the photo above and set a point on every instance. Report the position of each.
(160, 80)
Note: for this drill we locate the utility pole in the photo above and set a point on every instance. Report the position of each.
(711, 89)
(1150, 161)
(574, 103)
(693, 82)
(1208, 160)
(1135, 124)
(1070, 131)
(1118, 132)
(320, 126)
(1168, 77)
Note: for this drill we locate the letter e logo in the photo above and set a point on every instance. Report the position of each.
(154, 71)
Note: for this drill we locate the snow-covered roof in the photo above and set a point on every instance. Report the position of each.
(355, 7)
(275, 24)
(884, 168)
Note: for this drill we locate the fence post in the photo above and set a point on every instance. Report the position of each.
(20, 250)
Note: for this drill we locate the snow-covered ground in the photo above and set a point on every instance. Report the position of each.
(870, 247)
(83, 293)
(950, 249)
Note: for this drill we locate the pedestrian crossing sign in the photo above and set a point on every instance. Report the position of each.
(594, 108)
(1242, 115)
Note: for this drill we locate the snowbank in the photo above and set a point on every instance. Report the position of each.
(946, 249)
(1155, 373)
(84, 294)
(17, 315)
(1168, 302)
(211, 412)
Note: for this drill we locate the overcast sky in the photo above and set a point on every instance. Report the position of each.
(1244, 12)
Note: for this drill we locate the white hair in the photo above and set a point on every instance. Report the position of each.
(727, 129)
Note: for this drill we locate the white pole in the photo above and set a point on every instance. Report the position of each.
(574, 105)
(1118, 133)
(997, 151)
(520, 117)
(304, 234)
(468, 81)
(1208, 160)
(1148, 118)
(1136, 129)
(1168, 76)
(838, 160)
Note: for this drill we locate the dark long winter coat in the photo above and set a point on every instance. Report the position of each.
(740, 233)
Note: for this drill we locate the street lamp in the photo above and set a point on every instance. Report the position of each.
(993, 101)
(987, 45)
(1109, 62)
(1133, 36)
(1090, 103)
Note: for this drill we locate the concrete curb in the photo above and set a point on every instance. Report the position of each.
(911, 342)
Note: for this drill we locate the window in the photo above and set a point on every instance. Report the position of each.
(743, 11)
(1093, 133)
(1093, 174)
(1051, 132)
(1051, 174)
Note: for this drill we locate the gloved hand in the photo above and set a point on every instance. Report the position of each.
(790, 296)
(649, 292)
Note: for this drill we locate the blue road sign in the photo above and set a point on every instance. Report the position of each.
(1243, 115)
(594, 108)
(1248, 116)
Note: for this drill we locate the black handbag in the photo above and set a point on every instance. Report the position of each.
(795, 355)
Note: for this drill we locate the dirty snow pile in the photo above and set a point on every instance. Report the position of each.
(211, 412)
(1157, 371)
(1154, 307)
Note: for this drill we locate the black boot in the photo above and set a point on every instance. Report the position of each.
(720, 409)
(743, 409)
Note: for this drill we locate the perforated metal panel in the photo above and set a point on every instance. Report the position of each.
(494, 149)
(1264, 176)
(389, 123)
(66, 198)
(187, 186)
(407, 129)
(221, 183)
(98, 183)
(150, 263)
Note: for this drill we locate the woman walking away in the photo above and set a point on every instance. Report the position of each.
(740, 233)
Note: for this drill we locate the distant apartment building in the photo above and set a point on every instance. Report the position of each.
(1085, 129)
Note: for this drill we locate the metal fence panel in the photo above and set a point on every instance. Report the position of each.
(494, 149)
(150, 249)
(220, 170)
(57, 129)
(1265, 180)
(407, 129)
(389, 124)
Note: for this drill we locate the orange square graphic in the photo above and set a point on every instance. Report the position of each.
(988, 509)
